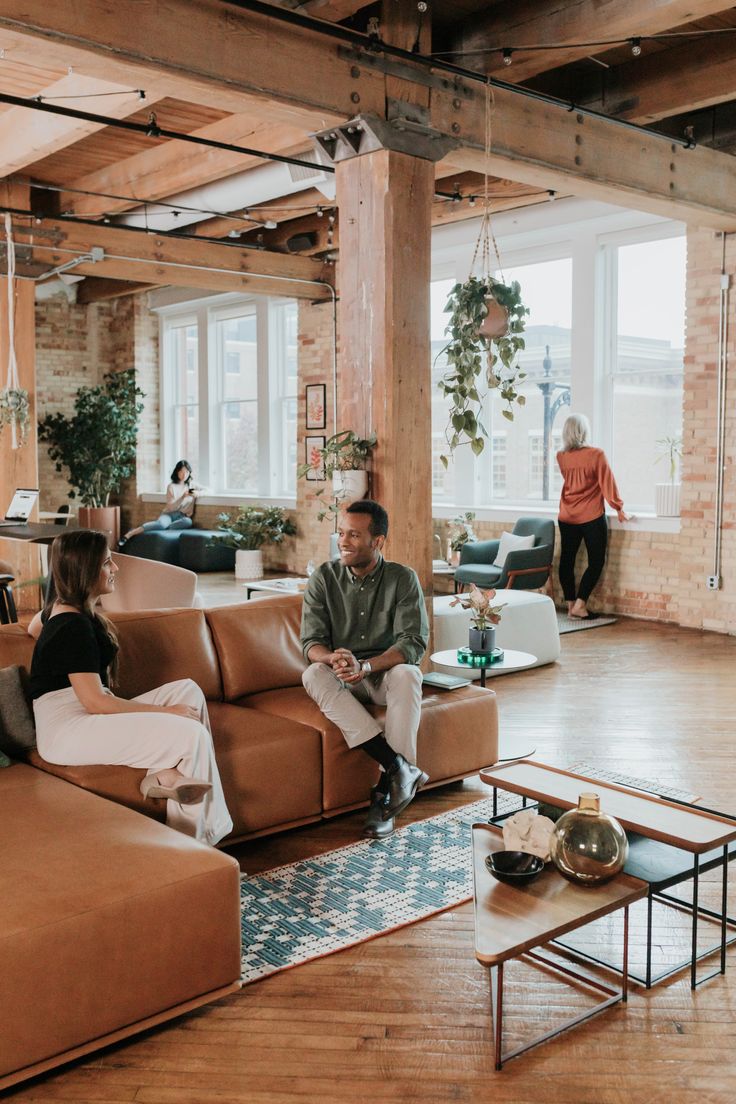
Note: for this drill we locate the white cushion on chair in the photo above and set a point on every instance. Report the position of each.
(510, 543)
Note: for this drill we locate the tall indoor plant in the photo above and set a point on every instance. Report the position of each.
(248, 531)
(487, 319)
(97, 446)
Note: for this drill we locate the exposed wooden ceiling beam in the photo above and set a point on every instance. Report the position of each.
(538, 22)
(533, 142)
(95, 290)
(27, 135)
(151, 258)
(671, 82)
(165, 170)
(281, 210)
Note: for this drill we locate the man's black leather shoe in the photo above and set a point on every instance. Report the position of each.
(375, 827)
(403, 781)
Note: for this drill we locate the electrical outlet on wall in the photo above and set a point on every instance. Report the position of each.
(713, 582)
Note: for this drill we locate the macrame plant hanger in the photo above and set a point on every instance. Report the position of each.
(12, 386)
(486, 244)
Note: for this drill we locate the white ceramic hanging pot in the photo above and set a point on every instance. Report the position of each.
(496, 322)
(349, 485)
(248, 563)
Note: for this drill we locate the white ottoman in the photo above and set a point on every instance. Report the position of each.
(528, 624)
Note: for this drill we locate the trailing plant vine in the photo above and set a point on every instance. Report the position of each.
(475, 361)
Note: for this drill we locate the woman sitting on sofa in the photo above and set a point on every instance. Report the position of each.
(80, 721)
(180, 498)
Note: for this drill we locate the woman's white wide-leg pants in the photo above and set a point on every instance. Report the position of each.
(70, 736)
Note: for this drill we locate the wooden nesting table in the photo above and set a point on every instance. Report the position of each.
(670, 842)
(511, 921)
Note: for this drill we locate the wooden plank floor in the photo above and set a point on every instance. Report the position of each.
(405, 1017)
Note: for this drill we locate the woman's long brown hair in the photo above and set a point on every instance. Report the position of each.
(75, 563)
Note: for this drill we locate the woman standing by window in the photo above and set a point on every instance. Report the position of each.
(587, 482)
(79, 721)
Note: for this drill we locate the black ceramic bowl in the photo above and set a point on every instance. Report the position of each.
(514, 867)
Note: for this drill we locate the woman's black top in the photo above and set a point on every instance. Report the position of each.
(69, 644)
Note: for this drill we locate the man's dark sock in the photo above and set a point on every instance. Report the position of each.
(379, 750)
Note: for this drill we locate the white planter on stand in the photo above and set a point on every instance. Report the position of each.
(667, 499)
(248, 563)
(349, 485)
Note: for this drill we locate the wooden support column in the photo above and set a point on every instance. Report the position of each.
(385, 201)
(19, 467)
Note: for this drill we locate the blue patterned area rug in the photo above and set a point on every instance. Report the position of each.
(317, 906)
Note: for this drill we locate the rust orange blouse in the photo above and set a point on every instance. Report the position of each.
(588, 480)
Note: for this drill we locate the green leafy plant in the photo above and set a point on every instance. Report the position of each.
(254, 526)
(15, 407)
(344, 451)
(97, 444)
(479, 602)
(466, 351)
(670, 448)
(460, 530)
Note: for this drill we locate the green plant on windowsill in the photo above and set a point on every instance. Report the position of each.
(487, 320)
(670, 449)
(254, 526)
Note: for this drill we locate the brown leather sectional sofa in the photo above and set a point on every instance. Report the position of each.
(100, 907)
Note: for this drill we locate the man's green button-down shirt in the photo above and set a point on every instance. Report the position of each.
(368, 615)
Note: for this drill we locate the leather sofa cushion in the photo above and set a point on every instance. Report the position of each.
(258, 645)
(106, 918)
(16, 647)
(458, 731)
(121, 784)
(158, 646)
(271, 769)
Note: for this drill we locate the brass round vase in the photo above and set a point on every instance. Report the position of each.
(588, 846)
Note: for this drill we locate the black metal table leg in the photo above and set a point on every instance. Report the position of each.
(694, 959)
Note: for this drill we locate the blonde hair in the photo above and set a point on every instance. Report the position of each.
(575, 432)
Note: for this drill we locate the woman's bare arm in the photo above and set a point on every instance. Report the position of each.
(95, 699)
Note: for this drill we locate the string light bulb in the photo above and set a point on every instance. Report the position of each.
(507, 55)
(551, 195)
(471, 201)
(635, 46)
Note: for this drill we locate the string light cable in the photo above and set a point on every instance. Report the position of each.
(634, 41)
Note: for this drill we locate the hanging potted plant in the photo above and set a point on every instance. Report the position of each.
(15, 411)
(97, 446)
(343, 459)
(248, 531)
(487, 319)
(667, 495)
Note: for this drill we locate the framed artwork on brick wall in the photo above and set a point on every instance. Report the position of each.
(316, 473)
(316, 404)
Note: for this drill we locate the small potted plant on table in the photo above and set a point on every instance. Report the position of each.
(248, 531)
(460, 531)
(483, 618)
(667, 495)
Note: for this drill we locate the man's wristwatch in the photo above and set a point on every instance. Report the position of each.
(365, 667)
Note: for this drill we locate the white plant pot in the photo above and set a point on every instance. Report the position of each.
(248, 563)
(349, 485)
(667, 499)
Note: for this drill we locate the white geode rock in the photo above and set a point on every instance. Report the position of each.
(527, 831)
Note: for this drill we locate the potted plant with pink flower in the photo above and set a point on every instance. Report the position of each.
(484, 616)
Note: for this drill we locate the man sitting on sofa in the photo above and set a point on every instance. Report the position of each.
(364, 630)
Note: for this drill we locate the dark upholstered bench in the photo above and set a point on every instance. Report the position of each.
(191, 548)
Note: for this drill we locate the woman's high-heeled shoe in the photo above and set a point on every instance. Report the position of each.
(189, 791)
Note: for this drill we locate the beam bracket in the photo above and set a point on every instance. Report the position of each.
(389, 66)
(407, 130)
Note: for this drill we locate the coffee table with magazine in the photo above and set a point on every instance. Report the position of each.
(289, 585)
(513, 921)
(670, 843)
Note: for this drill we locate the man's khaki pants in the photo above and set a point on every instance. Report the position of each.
(399, 689)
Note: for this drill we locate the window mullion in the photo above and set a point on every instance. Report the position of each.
(266, 437)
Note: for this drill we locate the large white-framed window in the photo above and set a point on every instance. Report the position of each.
(604, 338)
(229, 393)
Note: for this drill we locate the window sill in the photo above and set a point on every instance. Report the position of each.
(641, 523)
(228, 500)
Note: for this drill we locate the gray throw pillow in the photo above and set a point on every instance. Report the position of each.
(17, 730)
(4, 761)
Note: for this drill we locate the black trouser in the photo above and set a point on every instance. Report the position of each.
(595, 535)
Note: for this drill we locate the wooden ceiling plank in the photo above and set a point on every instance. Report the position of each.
(533, 142)
(537, 22)
(165, 170)
(27, 135)
(95, 290)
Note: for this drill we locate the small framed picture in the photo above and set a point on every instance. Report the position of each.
(316, 403)
(316, 473)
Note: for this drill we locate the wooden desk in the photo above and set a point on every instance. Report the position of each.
(34, 532)
(511, 921)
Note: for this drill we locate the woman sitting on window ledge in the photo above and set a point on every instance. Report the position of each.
(181, 495)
